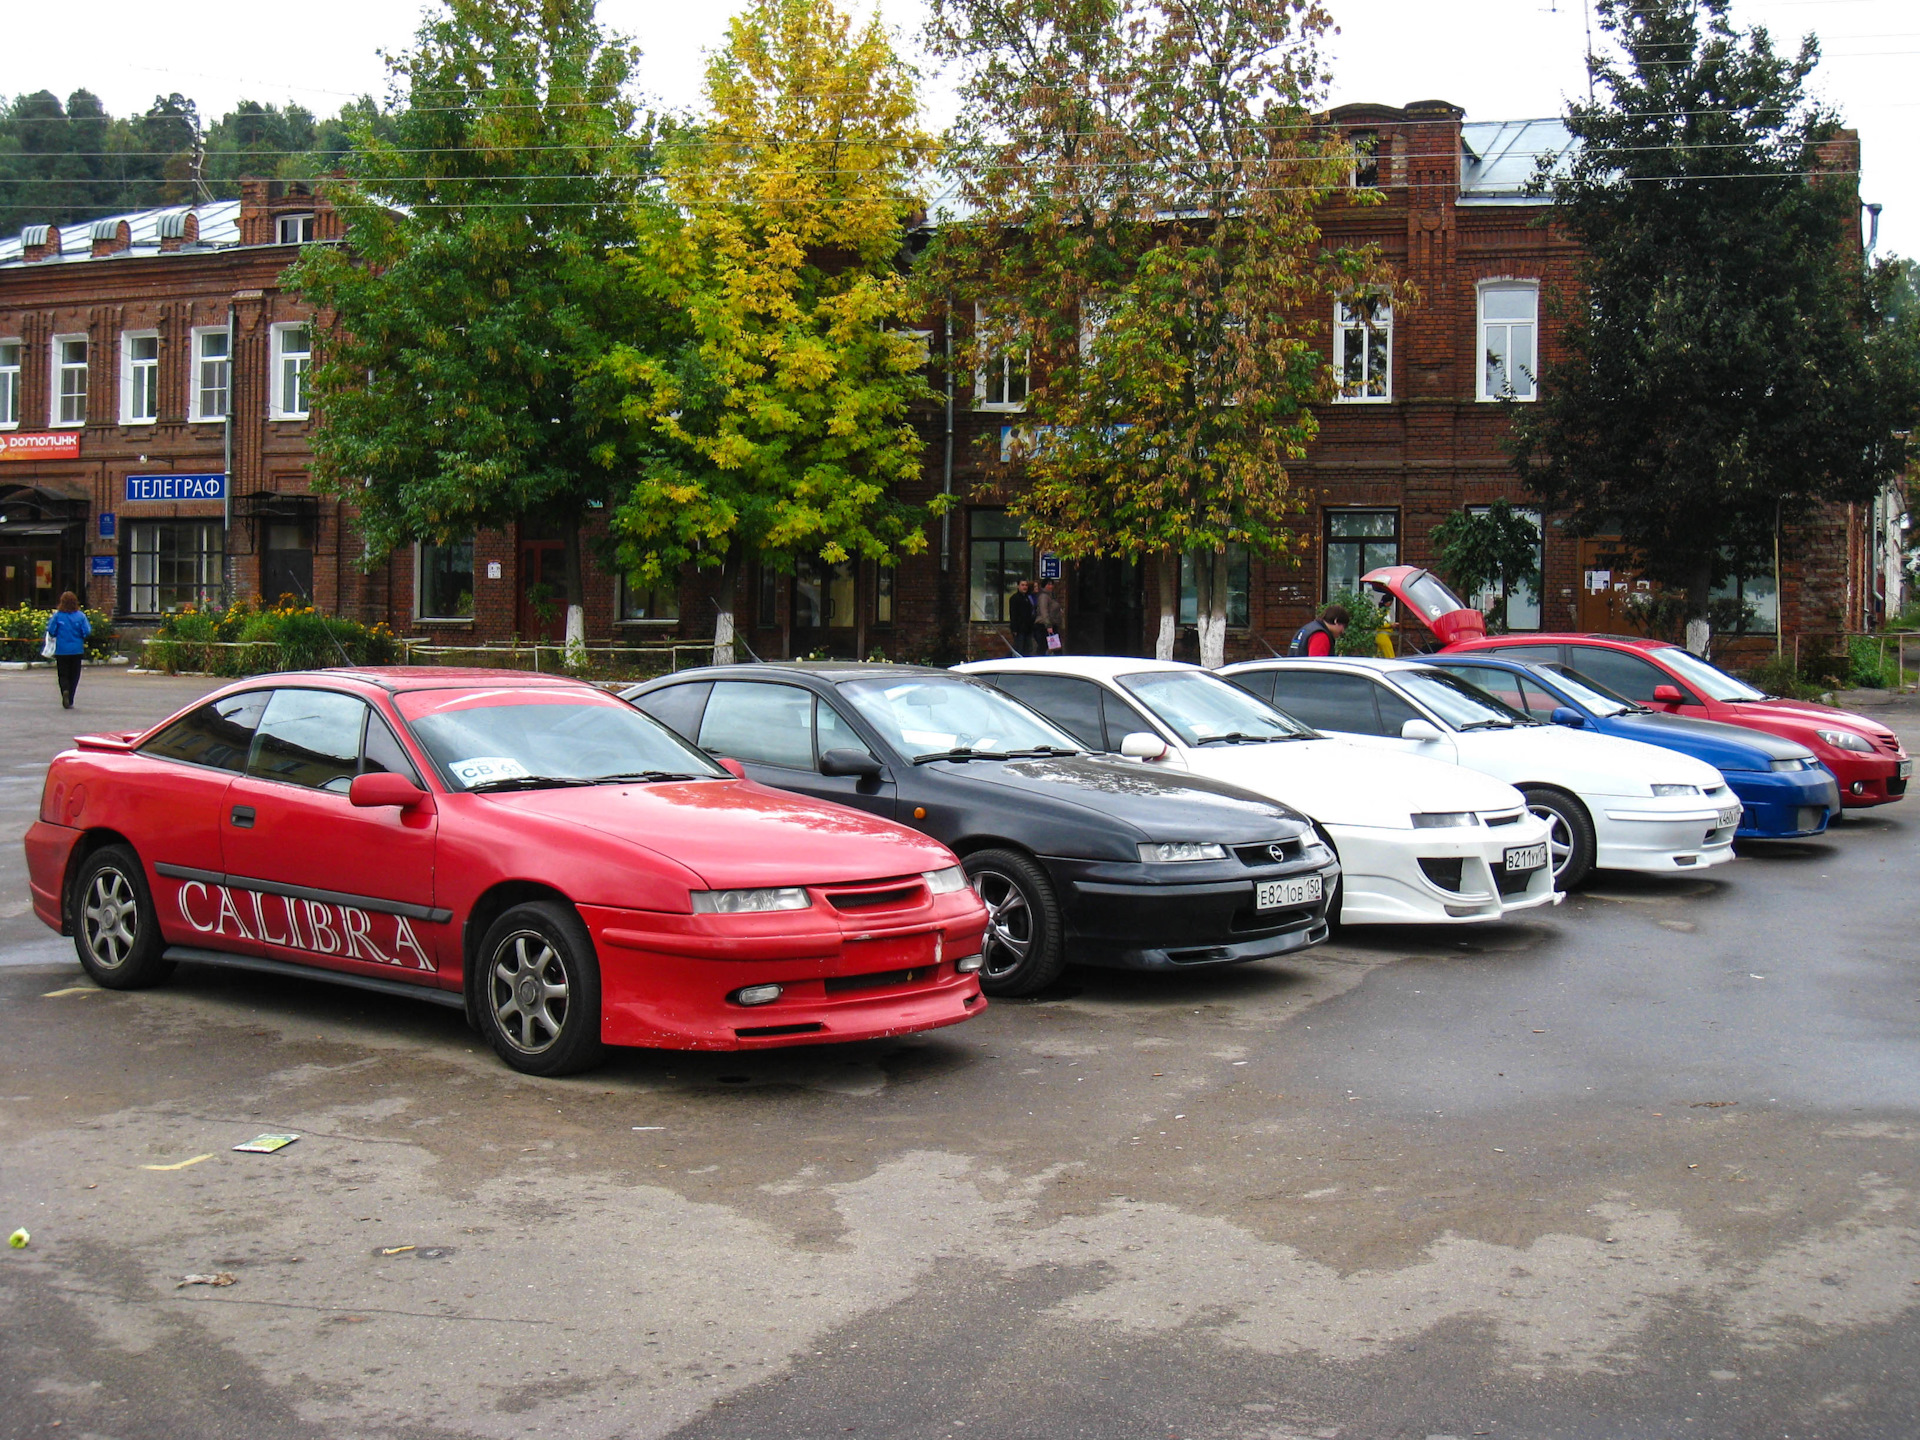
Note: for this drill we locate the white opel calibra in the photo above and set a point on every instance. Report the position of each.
(1613, 804)
(1419, 842)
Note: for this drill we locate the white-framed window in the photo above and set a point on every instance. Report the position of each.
(1001, 381)
(443, 581)
(1509, 339)
(139, 377)
(658, 603)
(10, 353)
(69, 381)
(295, 229)
(292, 354)
(212, 373)
(171, 563)
(1363, 350)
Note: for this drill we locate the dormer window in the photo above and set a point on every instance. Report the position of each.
(1366, 162)
(296, 229)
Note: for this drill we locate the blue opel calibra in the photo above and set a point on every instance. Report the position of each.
(1786, 791)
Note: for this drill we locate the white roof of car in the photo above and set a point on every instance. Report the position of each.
(1333, 662)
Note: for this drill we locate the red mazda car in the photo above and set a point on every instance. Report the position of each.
(565, 869)
(1864, 756)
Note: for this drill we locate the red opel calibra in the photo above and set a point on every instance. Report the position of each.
(562, 867)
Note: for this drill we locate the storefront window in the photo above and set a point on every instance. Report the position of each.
(175, 563)
(1001, 559)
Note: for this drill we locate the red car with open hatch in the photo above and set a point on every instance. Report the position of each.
(1863, 755)
(530, 849)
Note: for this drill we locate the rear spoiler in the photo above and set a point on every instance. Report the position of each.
(120, 743)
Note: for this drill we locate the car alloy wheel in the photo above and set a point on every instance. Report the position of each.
(1559, 838)
(1570, 838)
(1009, 937)
(530, 992)
(109, 918)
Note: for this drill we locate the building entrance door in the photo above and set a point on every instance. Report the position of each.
(29, 566)
(826, 608)
(1104, 606)
(1605, 585)
(542, 608)
(286, 561)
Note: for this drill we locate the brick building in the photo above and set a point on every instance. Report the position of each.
(124, 348)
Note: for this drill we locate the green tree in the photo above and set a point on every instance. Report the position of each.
(778, 423)
(1719, 384)
(475, 291)
(1498, 550)
(1140, 179)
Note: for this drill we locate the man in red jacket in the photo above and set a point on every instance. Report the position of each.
(1320, 636)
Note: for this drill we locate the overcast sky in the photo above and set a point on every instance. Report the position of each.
(1499, 59)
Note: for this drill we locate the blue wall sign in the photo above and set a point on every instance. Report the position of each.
(1049, 565)
(103, 564)
(175, 487)
(106, 525)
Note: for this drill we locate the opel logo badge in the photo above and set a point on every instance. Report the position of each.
(1277, 851)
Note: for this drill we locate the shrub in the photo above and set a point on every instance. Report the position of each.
(1365, 620)
(247, 638)
(1871, 669)
(24, 628)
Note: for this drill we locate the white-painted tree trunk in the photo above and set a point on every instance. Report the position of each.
(723, 638)
(1169, 606)
(1213, 618)
(1699, 636)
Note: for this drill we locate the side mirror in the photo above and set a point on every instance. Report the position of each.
(1668, 695)
(371, 791)
(1425, 731)
(1142, 746)
(732, 766)
(1568, 716)
(848, 761)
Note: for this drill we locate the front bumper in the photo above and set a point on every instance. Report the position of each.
(665, 979)
(1866, 779)
(1129, 917)
(1785, 803)
(1384, 882)
(1661, 837)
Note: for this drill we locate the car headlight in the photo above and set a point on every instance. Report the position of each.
(1170, 852)
(945, 882)
(749, 902)
(1846, 740)
(1445, 819)
(1662, 792)
(1806, 762)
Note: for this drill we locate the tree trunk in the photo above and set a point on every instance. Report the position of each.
(576, 633)
(1169, 568)
(1213, 620)
(1699, 597)
(723, 621)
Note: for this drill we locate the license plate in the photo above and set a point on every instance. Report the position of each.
(1730, 816)
(1905, 769)
(1276, 894)
(1526, 857)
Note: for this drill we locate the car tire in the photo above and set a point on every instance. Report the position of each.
(1025, 947)
(539, 990)
(116, 932)
(1570, 843)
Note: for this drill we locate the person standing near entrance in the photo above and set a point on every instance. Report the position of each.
(67, 630)
(1321, 635)
(1020, 611)
(1046, 621)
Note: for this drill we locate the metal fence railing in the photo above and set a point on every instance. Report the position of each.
(234, 658)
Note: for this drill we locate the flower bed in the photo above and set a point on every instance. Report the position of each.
(251, 639)
(23, 630)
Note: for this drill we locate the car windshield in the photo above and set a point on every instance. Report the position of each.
(1462, 704)
(934, 715)
(1205, 710)
(521, 744)
(1717, 684)
(1587, 691)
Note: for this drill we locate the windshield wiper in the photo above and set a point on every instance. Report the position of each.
(961, 752)
(651, 776)
(1486, 725)
(527, 782)
(1039, 750)
(1240, 737)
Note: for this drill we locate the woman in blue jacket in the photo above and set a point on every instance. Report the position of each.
(68, 629)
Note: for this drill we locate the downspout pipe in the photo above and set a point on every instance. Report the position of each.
(946, 463)
(226, 463)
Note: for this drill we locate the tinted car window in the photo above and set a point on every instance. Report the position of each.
(1073, 705)
(1326, 701)
(1394, 712)
(310, 738)
(1257, 683)
(1620, 672)
(1531, 654)
(759, 723)
(219, 733)
(1122, 720)
(833, 731)
(382, 755)
(678, 707)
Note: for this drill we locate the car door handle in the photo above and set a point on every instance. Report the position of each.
(243, 817)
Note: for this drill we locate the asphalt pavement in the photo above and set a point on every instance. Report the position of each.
(1646, 1165)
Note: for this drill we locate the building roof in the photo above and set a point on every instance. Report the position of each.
(219, 223)
(1498, 158)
